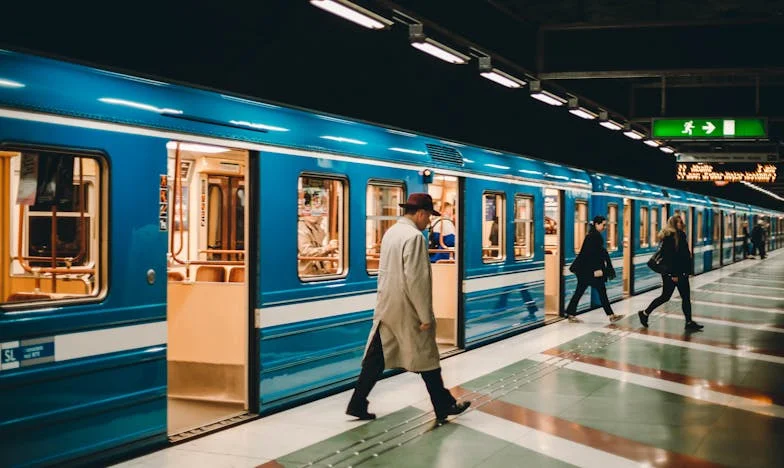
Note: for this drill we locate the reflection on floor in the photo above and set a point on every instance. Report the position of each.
(189, 414)
(569, 394)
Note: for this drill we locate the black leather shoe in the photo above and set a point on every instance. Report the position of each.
(643, 318)
(456, 408)
(362, 415)
(359, 411)
(693, 326)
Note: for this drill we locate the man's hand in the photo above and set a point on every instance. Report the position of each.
(674, 279)
(598, 274)
(424, 327)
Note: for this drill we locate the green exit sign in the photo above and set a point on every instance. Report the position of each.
(705, 128)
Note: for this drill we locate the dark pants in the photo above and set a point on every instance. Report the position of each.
(582, 285)
(668, 286)
(373, 367)
(760, 246)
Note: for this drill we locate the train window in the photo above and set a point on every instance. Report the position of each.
(320, 228)
(716, 227)
(644, 227)
(524, 227)
(580, 223)
(700, 234)
(57, 220)
(383, 211)
(654, 226)
(729, 219)
(612, 227)
(493, 227)
(739, 225)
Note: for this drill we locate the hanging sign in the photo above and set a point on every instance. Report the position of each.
(163, 208)
(705, 172)
(28, 179)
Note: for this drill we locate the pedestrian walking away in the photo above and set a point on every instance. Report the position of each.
(593, 268)
(403, 335)
(677, 267)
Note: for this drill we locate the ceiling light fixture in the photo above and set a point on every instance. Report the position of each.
(419, 40)
(353, 13)
(606, 122)
(631, 133)
(545, 96)
(582, 112)
(667, 149)
(493, 74)
(652, 143)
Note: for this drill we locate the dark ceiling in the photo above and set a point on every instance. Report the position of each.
(717, 58)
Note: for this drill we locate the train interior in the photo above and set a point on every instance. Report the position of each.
(55, 223)
(552, 253)
(204, 193)
(628, 251)
(443, 239)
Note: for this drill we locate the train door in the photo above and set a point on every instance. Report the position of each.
(203, 205)
(627, 247)
(443, 238)
(552, 253)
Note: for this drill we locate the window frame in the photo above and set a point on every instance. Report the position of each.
(612, 226)
(530, 231)
(501, 227)
(397, 183)
(644, 223)
(653, 220)
(344, 225)
(577, 203)
(100, 221)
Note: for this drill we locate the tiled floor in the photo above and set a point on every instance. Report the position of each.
(569, 394)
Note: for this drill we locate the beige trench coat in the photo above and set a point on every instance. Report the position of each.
(405, 301)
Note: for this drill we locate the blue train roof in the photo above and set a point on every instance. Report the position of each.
(74, 90)
(625, 187)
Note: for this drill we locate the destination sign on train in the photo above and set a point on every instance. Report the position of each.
(708, 128)
(705, 172)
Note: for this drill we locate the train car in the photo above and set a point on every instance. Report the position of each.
(177, 260)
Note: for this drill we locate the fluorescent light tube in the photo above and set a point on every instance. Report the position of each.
(667, 149)
(354, 13)
(633, 134)
(436, 49)
(652, 143)
(583, 113)
(612, 125)
(549, 98)
(503, 79)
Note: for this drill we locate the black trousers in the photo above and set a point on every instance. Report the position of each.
(760, 247)
(373, 367)
(582, 285)
(668, 287)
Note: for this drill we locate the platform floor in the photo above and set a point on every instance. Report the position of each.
(568, 394)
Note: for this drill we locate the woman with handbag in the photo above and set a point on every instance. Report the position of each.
(593, 268)
(674, 263)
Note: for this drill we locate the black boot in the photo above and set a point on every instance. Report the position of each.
(358, 409)
(643, 318)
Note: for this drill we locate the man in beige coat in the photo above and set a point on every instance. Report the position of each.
(403, 333)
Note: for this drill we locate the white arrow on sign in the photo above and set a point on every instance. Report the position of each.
(709, 128)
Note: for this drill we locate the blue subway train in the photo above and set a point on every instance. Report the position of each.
(251, 287)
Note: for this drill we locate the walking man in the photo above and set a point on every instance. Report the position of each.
(403, 333)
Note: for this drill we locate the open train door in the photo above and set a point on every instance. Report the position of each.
(553, 253)
(205, 201)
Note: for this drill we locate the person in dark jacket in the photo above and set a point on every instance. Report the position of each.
(676, 258)
(592, 268)
(758, 238)
(746, 239)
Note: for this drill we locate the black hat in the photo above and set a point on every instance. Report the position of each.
(420, 201)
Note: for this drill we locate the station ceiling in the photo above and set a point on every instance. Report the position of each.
(637, 58)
